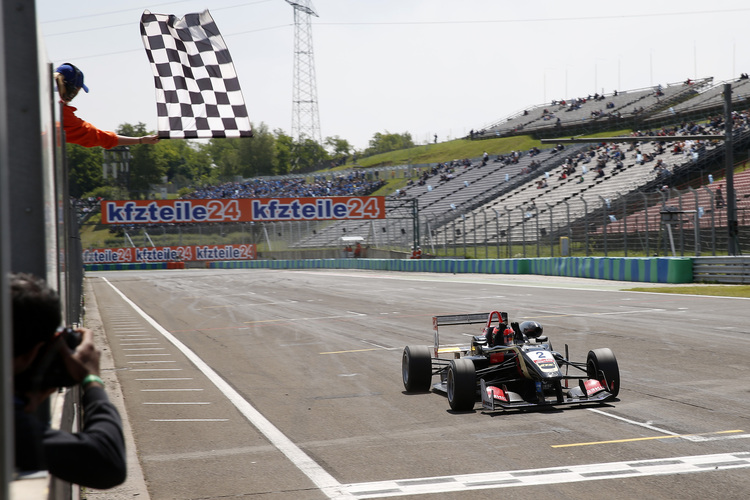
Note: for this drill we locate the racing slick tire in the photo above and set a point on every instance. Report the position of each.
(603, 361)
(461, 384)
(416, 368)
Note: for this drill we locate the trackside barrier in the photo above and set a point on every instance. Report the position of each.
(652, 270)
(134, 266)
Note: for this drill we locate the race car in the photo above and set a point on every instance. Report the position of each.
(508, 366)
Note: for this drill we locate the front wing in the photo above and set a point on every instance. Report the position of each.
(496, 398)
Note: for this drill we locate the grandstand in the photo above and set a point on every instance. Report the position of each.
(529, 202)
(597, 112)
(710, 101)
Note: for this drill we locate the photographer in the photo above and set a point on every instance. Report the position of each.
(44, 359)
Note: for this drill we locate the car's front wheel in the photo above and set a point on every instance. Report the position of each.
(601, 365)
(461, 384)
(416, 368)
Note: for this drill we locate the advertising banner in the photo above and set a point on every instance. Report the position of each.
(242, 210)
(168, 254)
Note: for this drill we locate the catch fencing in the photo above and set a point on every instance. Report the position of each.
(690, 222)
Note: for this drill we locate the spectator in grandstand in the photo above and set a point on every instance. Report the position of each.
(719, 199)
(94, 457)
(69, 81)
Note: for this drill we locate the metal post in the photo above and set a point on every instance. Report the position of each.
(455, 244)
(570, 229)
(463, 231)
(732, 223)
(474, 222)
(6, 358)
(415, 222)
(23, 246)
(551, 239)
(696, 223)
(509, 241)
(497, 231)
(713, 221)
(585, 224)
(486, 240)
(536, 216)
(605, 211)
(523, 231)
(645, 212)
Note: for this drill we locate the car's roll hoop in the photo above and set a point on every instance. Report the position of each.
(464, 319)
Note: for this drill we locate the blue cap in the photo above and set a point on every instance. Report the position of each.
(72, 75)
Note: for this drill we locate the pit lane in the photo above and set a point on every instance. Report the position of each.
(317, 356)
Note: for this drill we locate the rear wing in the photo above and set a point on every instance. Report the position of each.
(462, 319)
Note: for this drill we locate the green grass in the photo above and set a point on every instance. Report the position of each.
(450, 150)
(459, 149)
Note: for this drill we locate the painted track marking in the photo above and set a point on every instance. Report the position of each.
(319, 476)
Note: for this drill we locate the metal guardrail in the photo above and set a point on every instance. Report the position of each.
(725, 270)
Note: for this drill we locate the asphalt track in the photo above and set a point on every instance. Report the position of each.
(275, 384)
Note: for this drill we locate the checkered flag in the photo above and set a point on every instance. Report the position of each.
(197, 90)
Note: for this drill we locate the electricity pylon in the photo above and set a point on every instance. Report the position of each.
(305, 118)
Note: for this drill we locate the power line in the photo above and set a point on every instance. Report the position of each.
(106, 54)
(535, 20)
(130, 10)
(102, 14)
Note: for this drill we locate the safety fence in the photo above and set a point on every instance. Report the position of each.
(669, 222)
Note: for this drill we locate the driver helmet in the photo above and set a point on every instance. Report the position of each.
(531, 329)
(503, 336)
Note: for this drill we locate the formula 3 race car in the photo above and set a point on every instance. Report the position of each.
(508, 366)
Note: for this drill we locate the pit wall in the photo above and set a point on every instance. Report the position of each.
(651, 270)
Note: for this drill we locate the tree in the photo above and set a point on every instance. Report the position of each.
(384, 143)
(284, 152)
(147, 167)
(84, 169)
(338, 148)
(258, 154)
(308, 155)
(185, 161)
(225, 155)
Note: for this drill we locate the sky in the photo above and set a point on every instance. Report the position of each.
(426, 67)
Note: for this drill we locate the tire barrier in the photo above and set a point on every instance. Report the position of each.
(647, 269)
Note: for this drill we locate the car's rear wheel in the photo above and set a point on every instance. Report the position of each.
(601, 365)
(461, 384)
(416, 368)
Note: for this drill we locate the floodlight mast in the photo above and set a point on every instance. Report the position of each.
(305, 117)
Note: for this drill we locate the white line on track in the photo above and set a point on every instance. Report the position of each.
(162, 379)
(189, 420)
(317, 474)
(686, 437)
(633, 422)
(170, 390)
(552, 475)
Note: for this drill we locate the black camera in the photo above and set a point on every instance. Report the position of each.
(48, 369)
